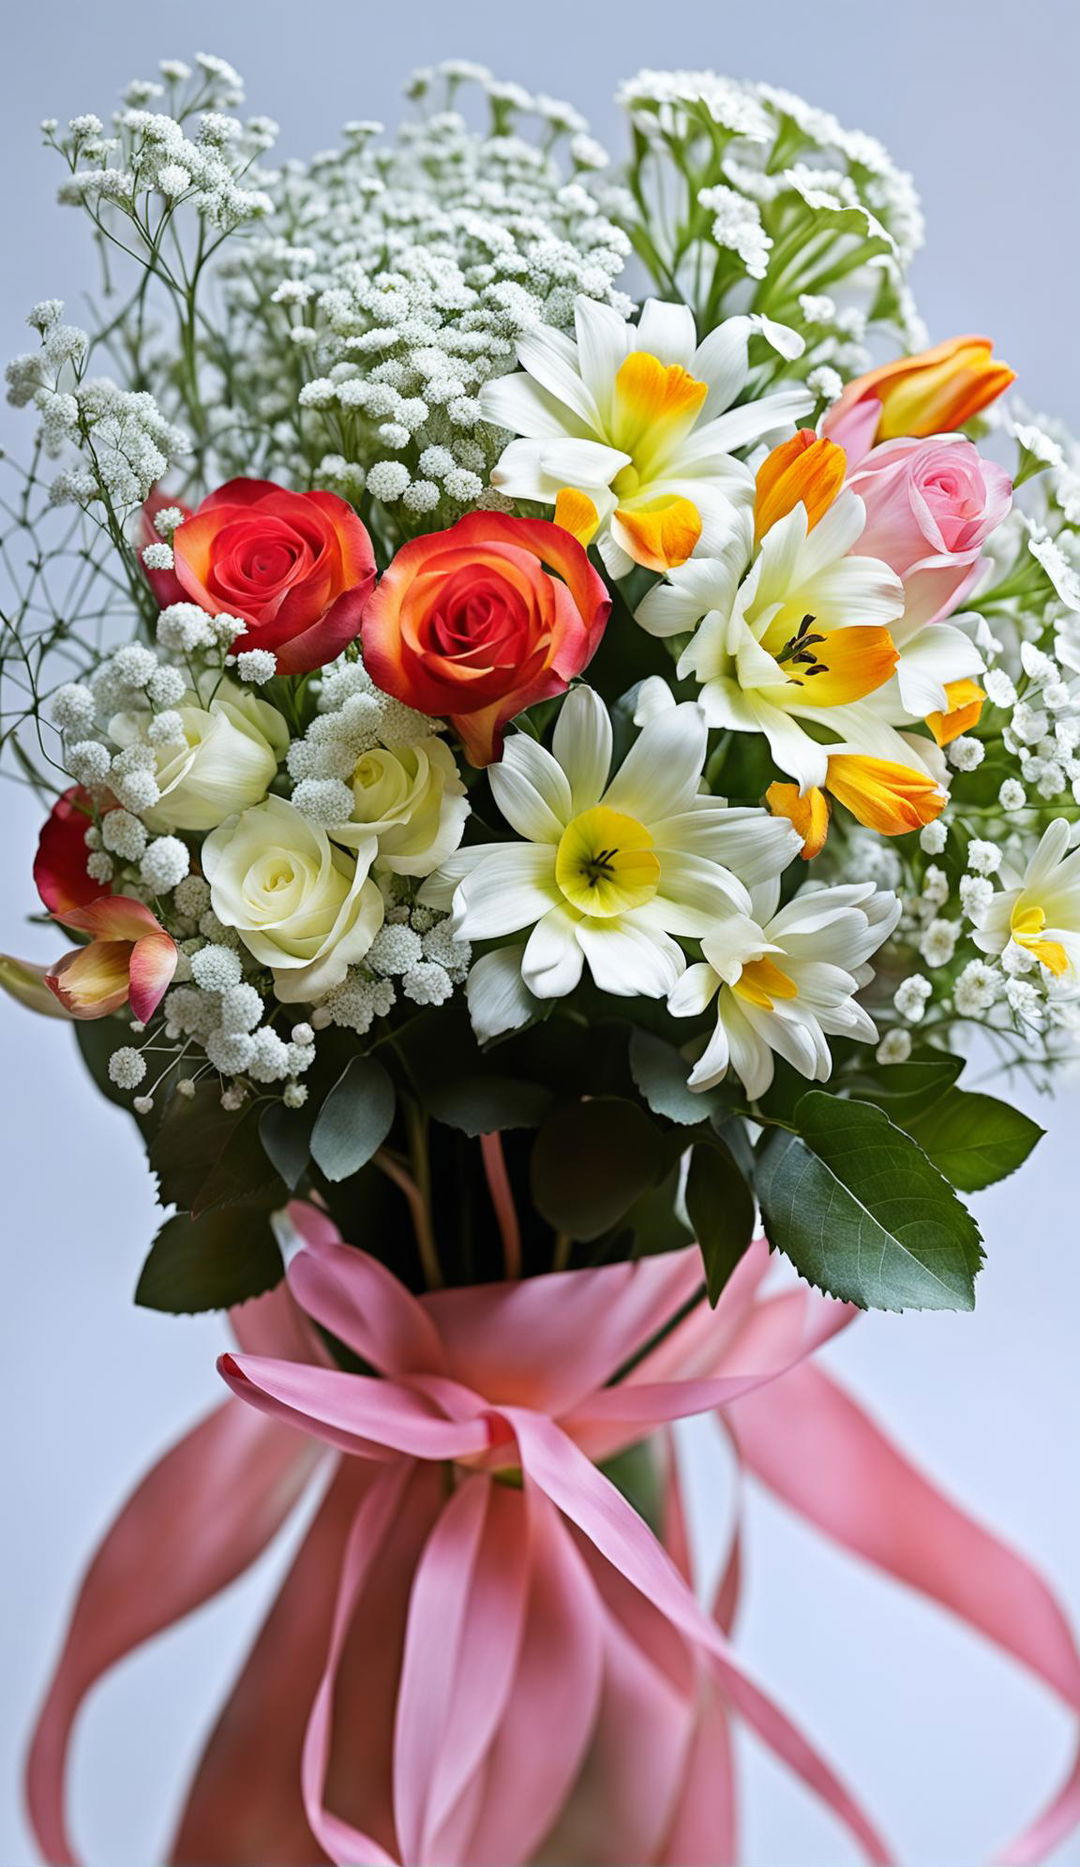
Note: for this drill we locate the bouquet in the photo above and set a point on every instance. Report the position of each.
(557, 719)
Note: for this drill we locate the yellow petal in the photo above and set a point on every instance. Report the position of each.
(842, 666)
(891, 799)
(1026, 928)
(577, 514)
(660, 533)
(651, 396)
(965, 705)
(807, 470)
(762, 982)
(808, 813)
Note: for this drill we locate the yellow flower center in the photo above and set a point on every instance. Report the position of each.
(654, 406)
(606, 863)
(762, 982)
(1026, 926)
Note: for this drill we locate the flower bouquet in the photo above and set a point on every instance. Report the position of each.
(551, 754)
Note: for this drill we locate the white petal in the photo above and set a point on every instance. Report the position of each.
(582, 744)
(712, 1065)
(693, 894)
(855, 591)
(751, 421)
(667, 332)
(498, 998)
(751, 1057)
(510, 889)
(531, 790)
(720, 360)
(438, 890)
(653, 696)
(694, 992)
(794, 751)
(604, 341)
(629, 960)
(662, 770)
(522, 405)
(553, 960)
(837, 530)
(552, 359)
(938, 654)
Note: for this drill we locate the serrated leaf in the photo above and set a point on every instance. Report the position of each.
(212, 1262)
(660, 1072)
(355, 1119)
(862, 1213)
(488, 1104)
(721, 1209)
(973, 1139)
(591, 1161)
(206, 1156)
(286, 1140)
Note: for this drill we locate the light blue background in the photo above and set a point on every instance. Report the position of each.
(949, 1744)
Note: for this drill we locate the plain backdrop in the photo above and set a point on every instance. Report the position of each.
(950, 1745)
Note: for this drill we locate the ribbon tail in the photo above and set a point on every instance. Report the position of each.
(587, 1498)
(813, 1445)
(218, 1497)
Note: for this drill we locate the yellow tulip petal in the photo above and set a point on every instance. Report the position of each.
(806, 470)
(965, 705)
(660, 533)
(761, 983)
(807, 812)
(844, 665)
(889, 798)
(577, 514)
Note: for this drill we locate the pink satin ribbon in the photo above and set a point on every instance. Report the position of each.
(503, 1660)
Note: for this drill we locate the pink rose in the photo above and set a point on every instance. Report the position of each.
(930, 507)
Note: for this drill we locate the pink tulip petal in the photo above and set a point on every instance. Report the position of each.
(274, 1324)
(361, 1302)
(150, 970)
(218, 1497)
(355, 1412)
(112, 917)
(92, 981)
(703, 1832)
(860, 1489)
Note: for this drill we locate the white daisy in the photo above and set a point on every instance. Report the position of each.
(1040, 913)
(608, 873)
(785, 981)
(630, 429)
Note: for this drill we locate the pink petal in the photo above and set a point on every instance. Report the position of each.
(152, 964)
(113, 917)
(362, 1303)
(92, 981)
(199, 1518)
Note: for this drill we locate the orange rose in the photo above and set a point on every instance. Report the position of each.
(477, 623)
(297, 568)
(929, 393)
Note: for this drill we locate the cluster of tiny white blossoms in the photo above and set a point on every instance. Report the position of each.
(809, 222)
(117, 442)
(391, 281)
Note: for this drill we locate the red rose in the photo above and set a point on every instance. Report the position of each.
(297, 568)
(60, 864)
(478, 622)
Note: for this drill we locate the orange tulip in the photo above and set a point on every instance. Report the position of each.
(929, 393)
(808, 813)
(889, 798)
(807, 469)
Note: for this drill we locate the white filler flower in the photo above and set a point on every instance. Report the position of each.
(786, 981)
(607, 873)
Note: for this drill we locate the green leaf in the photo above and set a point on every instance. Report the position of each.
(974, 1139)
(907, 1089)
(488, 1104)
(660, 1072)
(286, 1139)
(211, 1262)
(721, 1210)
(591, 1161)
(205, 1156)
(862, 1213)
(354, 1120)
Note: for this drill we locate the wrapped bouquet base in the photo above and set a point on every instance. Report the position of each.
(483, 1652)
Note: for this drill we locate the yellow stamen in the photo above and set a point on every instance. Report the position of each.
(761, 982)
(808, 813)
(965, 705)
(807, 470)
(891, 799)
(606, 864)
(577, 514)
(660, 533)
(1026, 927)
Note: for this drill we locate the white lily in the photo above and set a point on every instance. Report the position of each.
(629, 430)
(1040, 913)
(608, 873)
(785, 981)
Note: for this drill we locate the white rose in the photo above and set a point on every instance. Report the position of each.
(413, 801)
(227, 760)
(300, 906)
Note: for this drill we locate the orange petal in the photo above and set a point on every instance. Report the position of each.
(93, 980)
(649, 393)
(660, 533)
(965, 705)
(807, 812)
(807, 470)
(112, 917)
(150, 970)
(889, 798)
(932, 391)
(577, 514)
